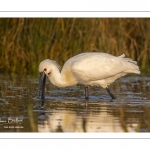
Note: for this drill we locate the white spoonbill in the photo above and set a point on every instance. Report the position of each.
(90, 68)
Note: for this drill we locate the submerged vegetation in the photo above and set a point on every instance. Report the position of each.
(25, 42)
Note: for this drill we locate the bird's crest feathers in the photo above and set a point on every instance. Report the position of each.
(57, 65)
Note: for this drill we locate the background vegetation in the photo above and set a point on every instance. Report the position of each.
(25, 42)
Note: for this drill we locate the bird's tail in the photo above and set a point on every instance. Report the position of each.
(131, 65)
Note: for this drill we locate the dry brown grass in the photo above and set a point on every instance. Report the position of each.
(24, 42)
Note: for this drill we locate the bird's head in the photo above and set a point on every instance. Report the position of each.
(45, 68)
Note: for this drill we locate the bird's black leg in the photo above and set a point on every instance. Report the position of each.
(86, 92)
(112, 96)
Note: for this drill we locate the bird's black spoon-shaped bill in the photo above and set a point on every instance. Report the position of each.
(41, 88)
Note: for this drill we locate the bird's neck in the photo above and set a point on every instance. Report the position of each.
(60, 79)
(55, 77)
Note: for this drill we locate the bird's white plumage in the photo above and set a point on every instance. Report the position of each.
(91, 68)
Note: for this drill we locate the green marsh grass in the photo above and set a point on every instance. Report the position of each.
(25, 42)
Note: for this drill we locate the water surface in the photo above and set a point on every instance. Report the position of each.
(66, 110)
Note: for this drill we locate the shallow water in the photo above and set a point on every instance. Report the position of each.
(66, 110)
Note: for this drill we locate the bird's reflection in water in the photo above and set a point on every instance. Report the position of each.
(61, 121)
(83, 120)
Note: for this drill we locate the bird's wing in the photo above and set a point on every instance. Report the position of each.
(96, 66)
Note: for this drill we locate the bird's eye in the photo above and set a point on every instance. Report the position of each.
(49, 73)
(44, 69)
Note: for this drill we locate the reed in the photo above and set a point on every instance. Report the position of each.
(25, 42)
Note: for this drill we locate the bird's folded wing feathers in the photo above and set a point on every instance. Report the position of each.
(97, 67)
